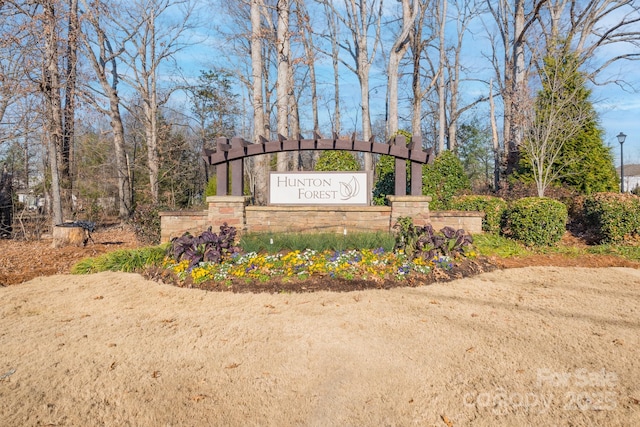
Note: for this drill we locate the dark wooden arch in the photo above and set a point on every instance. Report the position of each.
(231, 154)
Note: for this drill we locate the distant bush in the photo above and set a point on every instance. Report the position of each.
(386, 180)
(146, 223)
(493, 208)
(613, 217)
(536, 221)
(337, 160)
(212, 187)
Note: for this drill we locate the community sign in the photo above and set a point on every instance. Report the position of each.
(319, 188)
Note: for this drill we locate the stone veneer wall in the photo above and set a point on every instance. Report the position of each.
(313, 219)
(174, 224)
(469, 221)
(317, 219)
(229, 209)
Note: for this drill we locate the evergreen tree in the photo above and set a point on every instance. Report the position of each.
(594, 171)
(214, 104)
(476, 152)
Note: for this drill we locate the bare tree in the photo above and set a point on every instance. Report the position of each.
(41, 25)
(306, 36)
(514, 23)
(50, 86)
(588, 28)
(334, 35)
(441, 16)
(418, 45)
(69, 107)
(607, 29)
(261, 163)
(556, 115)
(410, 11)
(20, 100)
(14, 66)
(283, 83)
(465, 13)
(361, 19)
(154, 30)
(103, 58)
(495, 141)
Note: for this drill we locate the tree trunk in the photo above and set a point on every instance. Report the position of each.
(398, 50)
(304, 23)
(51, 90)
(283, 89)
(294, 120)
(261, 163)
(517, 87)
(125, 189)
(66, 154)
(442, 119)
(494, 139)
(151, 114)
(153, 159)
(6, 204)
(110, 89)
(335, 54)
(416, 86)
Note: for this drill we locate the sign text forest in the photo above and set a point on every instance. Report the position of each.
(319, 188)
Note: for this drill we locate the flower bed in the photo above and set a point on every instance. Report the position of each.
(364, 264)
(213, 261)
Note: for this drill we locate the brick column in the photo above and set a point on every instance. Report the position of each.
(416, 207)
(229, 209)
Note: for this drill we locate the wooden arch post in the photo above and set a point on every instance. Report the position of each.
(231, 155)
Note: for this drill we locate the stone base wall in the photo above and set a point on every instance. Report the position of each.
(469, 221)
(313, 219)
(174, 224)
(416, 207)
(317, 219)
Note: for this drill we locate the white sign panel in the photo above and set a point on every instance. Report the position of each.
(318, 188)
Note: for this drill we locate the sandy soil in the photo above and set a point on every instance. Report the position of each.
(531, 346)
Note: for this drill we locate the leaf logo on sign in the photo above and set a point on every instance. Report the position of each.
(349, 190)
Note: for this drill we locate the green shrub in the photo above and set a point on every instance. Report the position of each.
(212, 187)
(443, 179)
(613, 217)
(337, 160)
(493, 208)
(385, 180)
(536, 221)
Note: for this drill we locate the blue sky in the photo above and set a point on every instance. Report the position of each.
(619, 110)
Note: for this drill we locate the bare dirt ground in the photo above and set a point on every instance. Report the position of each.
(536, 346)
(22, 260)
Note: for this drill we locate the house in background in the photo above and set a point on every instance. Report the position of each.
(631, 177)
